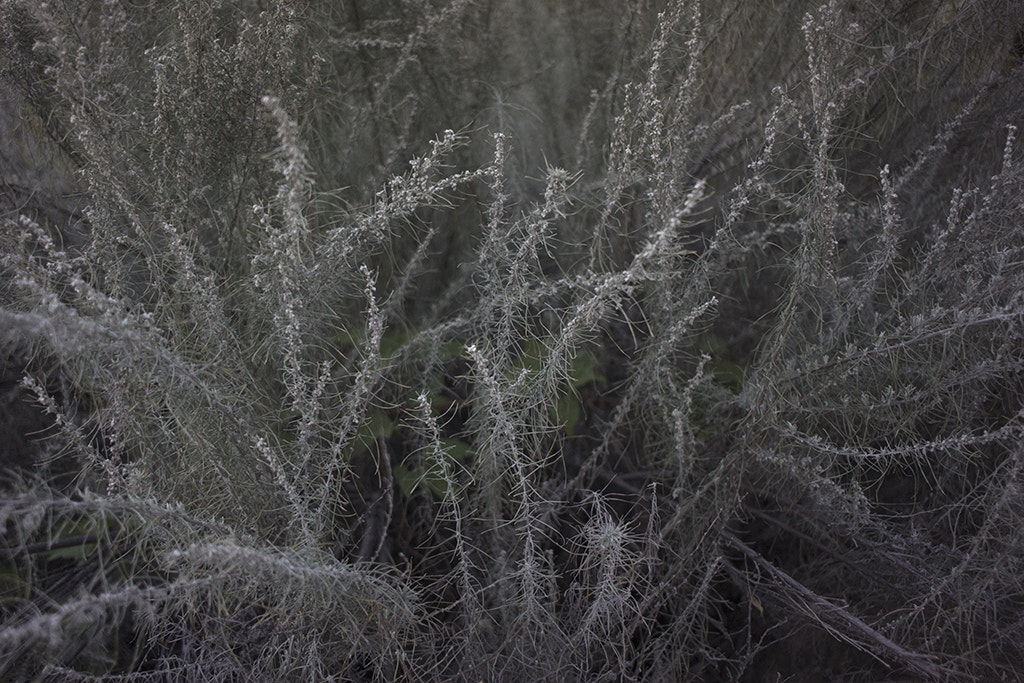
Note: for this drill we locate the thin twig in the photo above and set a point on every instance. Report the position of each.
(837, 621)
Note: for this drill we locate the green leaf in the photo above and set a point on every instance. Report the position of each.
(584, 370)
(376, 426)
(455, 451)
(567, 412)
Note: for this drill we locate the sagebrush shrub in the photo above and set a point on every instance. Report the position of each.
(450, 340)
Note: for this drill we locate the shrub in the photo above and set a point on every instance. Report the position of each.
(686, 346)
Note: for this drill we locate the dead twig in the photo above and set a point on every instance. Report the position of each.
(838, 621)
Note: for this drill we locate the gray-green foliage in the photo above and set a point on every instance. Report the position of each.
(682, 347)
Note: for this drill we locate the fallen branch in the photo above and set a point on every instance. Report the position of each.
(837, 621)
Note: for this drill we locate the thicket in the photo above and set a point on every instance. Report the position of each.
(449, 340)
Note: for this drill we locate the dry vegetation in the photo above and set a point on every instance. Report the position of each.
(500, 340)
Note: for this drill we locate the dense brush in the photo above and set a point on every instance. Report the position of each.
(472, 341)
